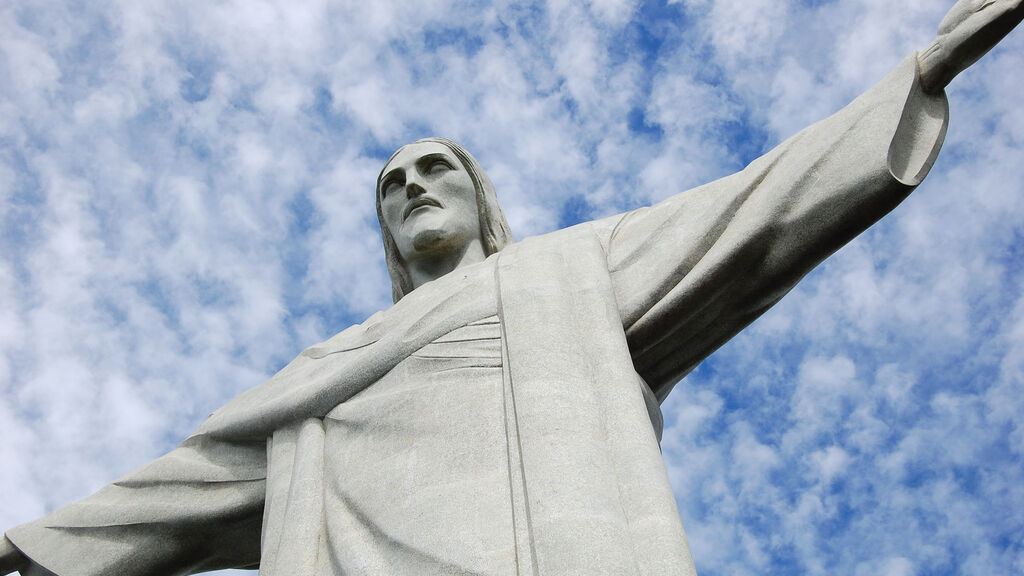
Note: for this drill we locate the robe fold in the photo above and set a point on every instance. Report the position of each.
(597, 324)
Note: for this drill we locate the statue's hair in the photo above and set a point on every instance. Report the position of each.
(494, 230)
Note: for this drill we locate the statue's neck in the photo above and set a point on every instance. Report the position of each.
(433, 266)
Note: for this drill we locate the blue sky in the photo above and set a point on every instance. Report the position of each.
(186, 202)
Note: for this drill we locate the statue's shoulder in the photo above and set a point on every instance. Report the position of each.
(354, 337)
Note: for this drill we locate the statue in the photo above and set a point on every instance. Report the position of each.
(503, 416)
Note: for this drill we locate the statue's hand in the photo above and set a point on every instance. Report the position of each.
(967, 32)
(11, 559)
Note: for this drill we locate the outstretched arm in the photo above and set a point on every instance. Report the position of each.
(969, 30)
(692, 271)
(11, 560)
(195, 509)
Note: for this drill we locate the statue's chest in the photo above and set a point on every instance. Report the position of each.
(422, 457)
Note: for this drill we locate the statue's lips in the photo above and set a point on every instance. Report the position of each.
(419, 203)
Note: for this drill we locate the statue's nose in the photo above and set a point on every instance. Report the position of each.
(413, 189)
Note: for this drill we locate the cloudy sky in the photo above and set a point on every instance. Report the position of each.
(186, 202)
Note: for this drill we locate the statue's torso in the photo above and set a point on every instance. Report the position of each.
(417, 477)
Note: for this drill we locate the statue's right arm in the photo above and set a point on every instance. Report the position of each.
(11, 559)
(196, 509)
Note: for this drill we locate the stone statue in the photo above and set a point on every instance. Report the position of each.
(503, 416)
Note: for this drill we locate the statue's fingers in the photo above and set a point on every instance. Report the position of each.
(1001, 6)
(979, 34)
(1008, 14)
(968, 9)
(960, 11)
(986, 17)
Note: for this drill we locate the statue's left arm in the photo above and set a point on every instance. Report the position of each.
(692, 271)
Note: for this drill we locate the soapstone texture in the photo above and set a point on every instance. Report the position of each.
(504, 417)
(498, 420)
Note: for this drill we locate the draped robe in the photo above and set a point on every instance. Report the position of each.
(595, 324)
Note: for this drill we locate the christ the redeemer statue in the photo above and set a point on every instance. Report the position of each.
(503, 416)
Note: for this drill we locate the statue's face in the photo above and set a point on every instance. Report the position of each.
(428, 201)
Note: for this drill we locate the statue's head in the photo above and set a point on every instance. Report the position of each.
(446, 201)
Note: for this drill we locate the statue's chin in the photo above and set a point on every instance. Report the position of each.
(433, 242)
(433, 233)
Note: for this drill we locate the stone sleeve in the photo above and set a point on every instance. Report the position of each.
(695, 269)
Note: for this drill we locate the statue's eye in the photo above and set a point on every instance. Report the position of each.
(389, 186)
(438, 166)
